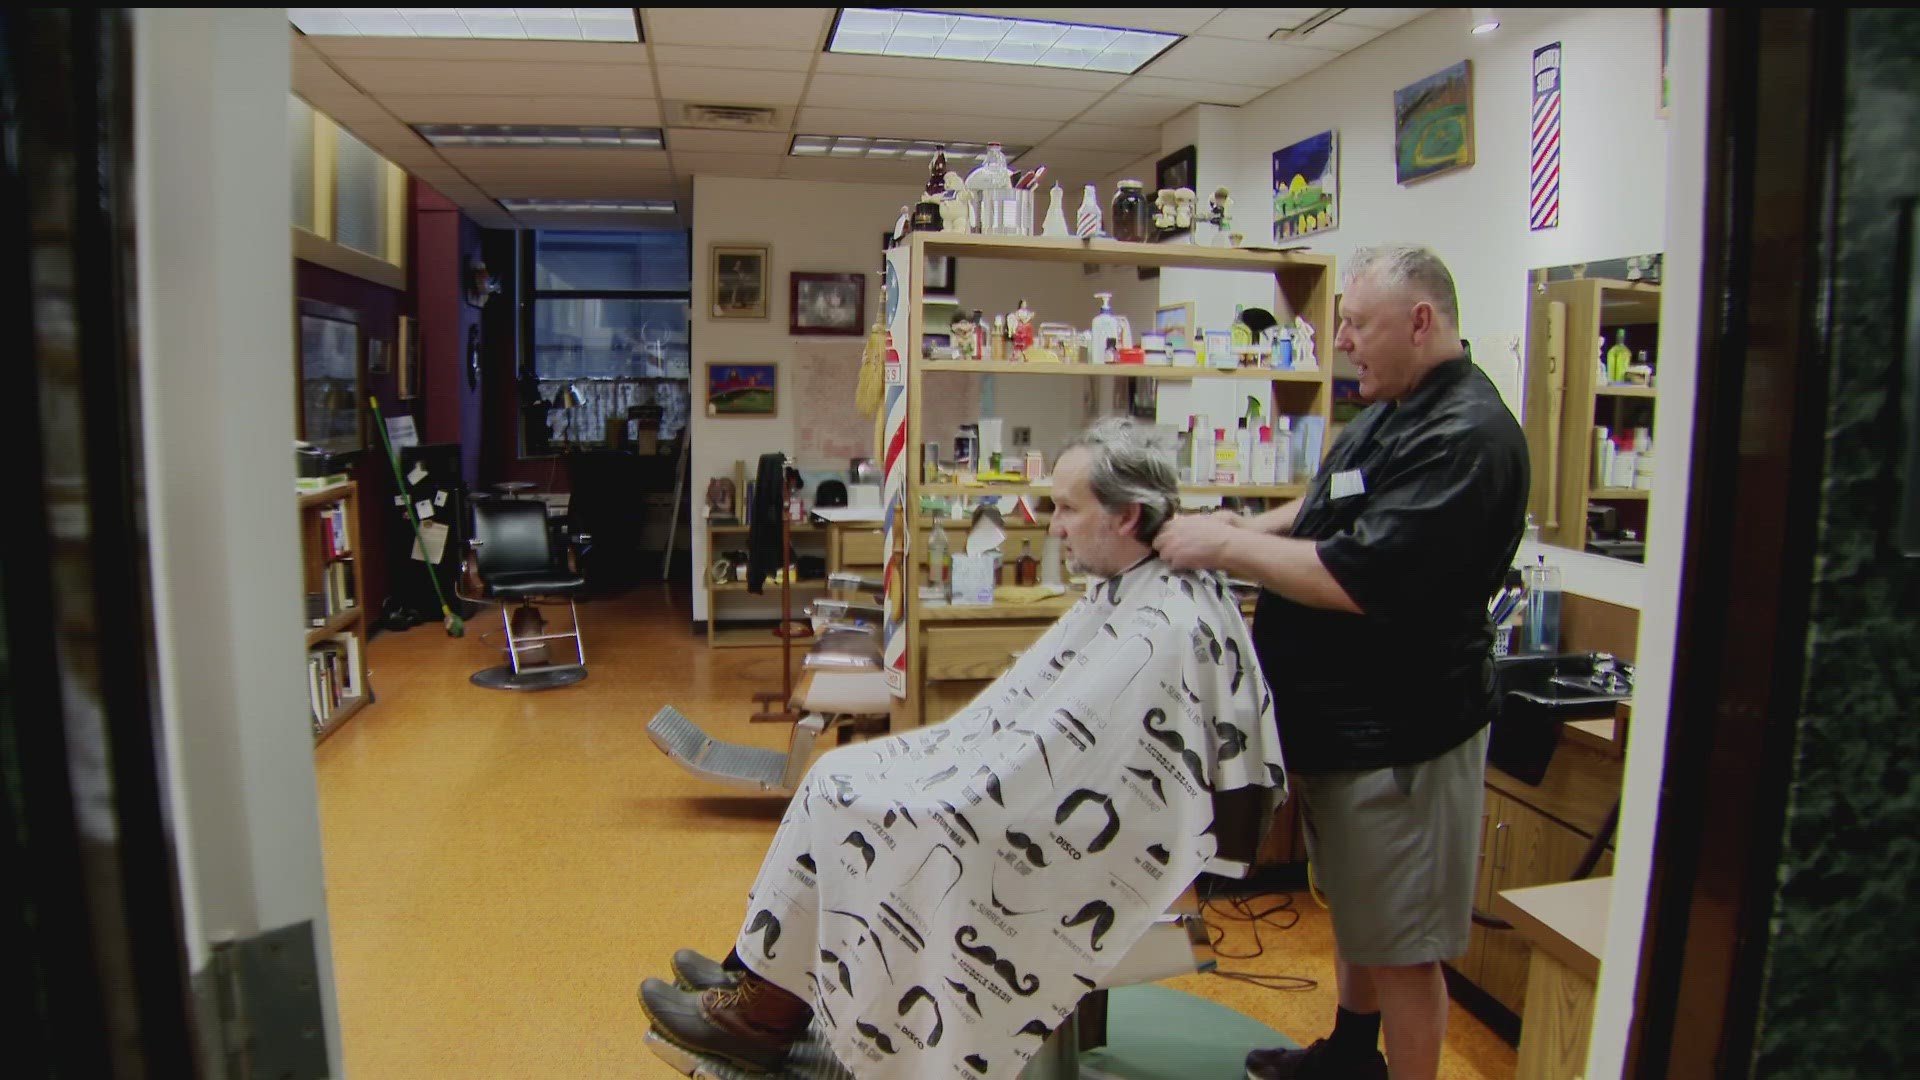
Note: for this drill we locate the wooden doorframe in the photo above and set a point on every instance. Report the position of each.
(1752, 509)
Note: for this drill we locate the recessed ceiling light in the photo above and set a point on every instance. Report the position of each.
(862, 146)
(531, 135)
(524, 24)
(935, 35)
(1485, 21)
(590, 206)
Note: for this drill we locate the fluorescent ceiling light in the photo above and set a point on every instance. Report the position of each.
(590, 206)
(1485, 21)
(937, 36)
(862, 146)
(532, 135)
(521, 24)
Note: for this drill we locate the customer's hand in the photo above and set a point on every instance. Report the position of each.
(1197, 541)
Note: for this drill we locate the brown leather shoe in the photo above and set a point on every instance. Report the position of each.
(692, 971)
(752, 1023)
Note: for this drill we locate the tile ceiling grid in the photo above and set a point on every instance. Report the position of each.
(1085, 125)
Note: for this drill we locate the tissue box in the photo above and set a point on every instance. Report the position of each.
(973, 580)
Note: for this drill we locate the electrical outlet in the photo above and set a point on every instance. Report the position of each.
(1022, 436)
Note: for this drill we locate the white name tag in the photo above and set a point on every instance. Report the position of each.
(1347, 484)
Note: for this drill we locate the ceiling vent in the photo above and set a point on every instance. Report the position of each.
(1312, 23)
(692, 114)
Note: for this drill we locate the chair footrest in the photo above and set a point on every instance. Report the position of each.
(571, 636)
(730, 763)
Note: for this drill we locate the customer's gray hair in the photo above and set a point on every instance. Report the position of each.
(1131, 466)
(1407, 266)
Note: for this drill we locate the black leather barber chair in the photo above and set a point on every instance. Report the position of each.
(511, 562)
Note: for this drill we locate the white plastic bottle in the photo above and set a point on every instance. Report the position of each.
(1263, 460)
(1283, 450)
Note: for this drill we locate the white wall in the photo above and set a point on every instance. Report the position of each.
(825, 226)
(215, 297)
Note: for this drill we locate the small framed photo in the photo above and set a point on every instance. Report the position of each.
(739, 281)
(827, 304)
(743, 389)
(407, 356)
(377, 352)
(1175, 323)
(942, 275)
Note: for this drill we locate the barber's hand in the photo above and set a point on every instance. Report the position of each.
(1196, 541)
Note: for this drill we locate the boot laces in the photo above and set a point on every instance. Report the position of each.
(740, 995)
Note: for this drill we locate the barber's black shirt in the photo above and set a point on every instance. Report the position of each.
(1421, 549)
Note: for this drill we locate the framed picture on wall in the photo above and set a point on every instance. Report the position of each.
(826, 304)
(377, 352)
(739, 281)
(1433, 124)
(743, 389)
(406, 348)
(943, 273)
(1175, 321)
(331, 385)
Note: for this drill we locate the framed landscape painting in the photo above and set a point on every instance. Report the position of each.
(742, 389)
(1433, 124)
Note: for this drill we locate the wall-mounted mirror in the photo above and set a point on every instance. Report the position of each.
(1592, 383)
(330, 377)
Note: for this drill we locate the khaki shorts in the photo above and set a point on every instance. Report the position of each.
(1395, 852)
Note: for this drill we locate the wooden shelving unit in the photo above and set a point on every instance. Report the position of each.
(745, 637)
(1303, 283)
(1565, 320)
(345, 624)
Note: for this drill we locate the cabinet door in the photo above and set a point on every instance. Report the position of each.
(942, 699)
(1469, 965)
(1529, 849)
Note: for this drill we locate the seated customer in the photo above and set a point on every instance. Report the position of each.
(942, 899)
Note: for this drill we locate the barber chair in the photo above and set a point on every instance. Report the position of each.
(847, 690)
(510, 561)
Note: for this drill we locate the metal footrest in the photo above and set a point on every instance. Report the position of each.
(810, 1060)
(728, 763)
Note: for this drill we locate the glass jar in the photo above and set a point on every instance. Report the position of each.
(1129, 212)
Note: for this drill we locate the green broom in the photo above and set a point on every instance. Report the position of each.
(456, 627)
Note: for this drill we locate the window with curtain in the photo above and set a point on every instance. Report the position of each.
(609, 333)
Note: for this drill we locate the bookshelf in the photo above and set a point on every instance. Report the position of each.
(335, 620)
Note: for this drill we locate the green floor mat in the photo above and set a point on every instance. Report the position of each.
(1154, 1033)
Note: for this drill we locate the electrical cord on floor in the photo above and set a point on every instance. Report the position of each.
(1280, 915)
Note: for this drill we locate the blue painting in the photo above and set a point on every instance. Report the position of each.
(1306, 187)
(1433, 124)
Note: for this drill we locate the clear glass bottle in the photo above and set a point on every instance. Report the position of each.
(939, 560)
(1542, 583)
(1027, 570)
(1619, 358)
(997, 345)
(993, 173)
(1129, 212)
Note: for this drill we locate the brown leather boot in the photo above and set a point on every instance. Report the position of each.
(752, 1023)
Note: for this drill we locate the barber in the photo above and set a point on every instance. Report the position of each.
(1372, 631)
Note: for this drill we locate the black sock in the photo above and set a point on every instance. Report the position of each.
(1356, 1034)
(733, 962)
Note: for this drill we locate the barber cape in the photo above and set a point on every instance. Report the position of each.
(945, 897)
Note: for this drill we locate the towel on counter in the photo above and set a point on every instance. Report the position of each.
(945, 897)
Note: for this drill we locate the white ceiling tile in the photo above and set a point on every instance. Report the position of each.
(575, 220)
(582, 187)
(493, 109)
(1192, 91)
(692, 163)
(1106, 137)
(858, 171)
(1265, 64)
(413, 48)
(817, 121)
(1255, 24)
(731, 86)
(715, 56)
(962, 71)
(1382, 18)
(1338, 37)
(798, 29)
(1163, 19)
(923, 96)
(726, 142)
(481, 157)
(1134, 109)
(486, 77)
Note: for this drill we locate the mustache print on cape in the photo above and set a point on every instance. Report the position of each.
(1098, 912)
(1035, 1028)
(1192, 698)
(878, 946)
(846, 973)
(993, 896)
(1039, 742)
(945, 774)
(954, 813)
(976, 1063)
(820, 999)
(1233, 741)
(1062, 659)
(1276, 774)
(1080, 797)
(1160, 854)
(1213, 641)
(1177, 743)
(905, 926)
(965, 991)
(805, 859)
(993, 785)
(1077, 726)
(1153, 780)
(874, 1035)
(914, 997)
(958, 868)
(860, 841)
(1113, 590)
(1024, 985)
(766, 921)
(843, 790)
(1165, 619)
(898, 812)
(1024, 845)
(1086, 982)
(1239, 666)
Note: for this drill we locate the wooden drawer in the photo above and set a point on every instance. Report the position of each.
(968, 653)
(943, 699)
(860, 547)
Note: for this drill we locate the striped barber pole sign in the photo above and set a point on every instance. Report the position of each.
(1543, 210)
(893, 494)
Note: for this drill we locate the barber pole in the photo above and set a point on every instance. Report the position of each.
(1543, 209)
(894, 491)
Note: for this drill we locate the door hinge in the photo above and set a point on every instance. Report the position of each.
(259, 1007)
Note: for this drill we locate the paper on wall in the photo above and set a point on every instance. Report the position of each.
(439, 498)
(423, 509)
(400, 431)
(418, 474)
(435, 534)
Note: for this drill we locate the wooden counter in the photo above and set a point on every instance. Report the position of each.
(1566, 926)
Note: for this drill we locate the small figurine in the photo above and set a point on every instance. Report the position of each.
(956, 206)
(965, 344)
(1021, 329)
(937, 174)
(1166, 203)
(1303, 357)
(1217, 214)
(1087, 223)
(1056, 222)
(900, 226)
(1183, 208)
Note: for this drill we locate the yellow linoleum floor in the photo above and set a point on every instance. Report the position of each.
(502, 869)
